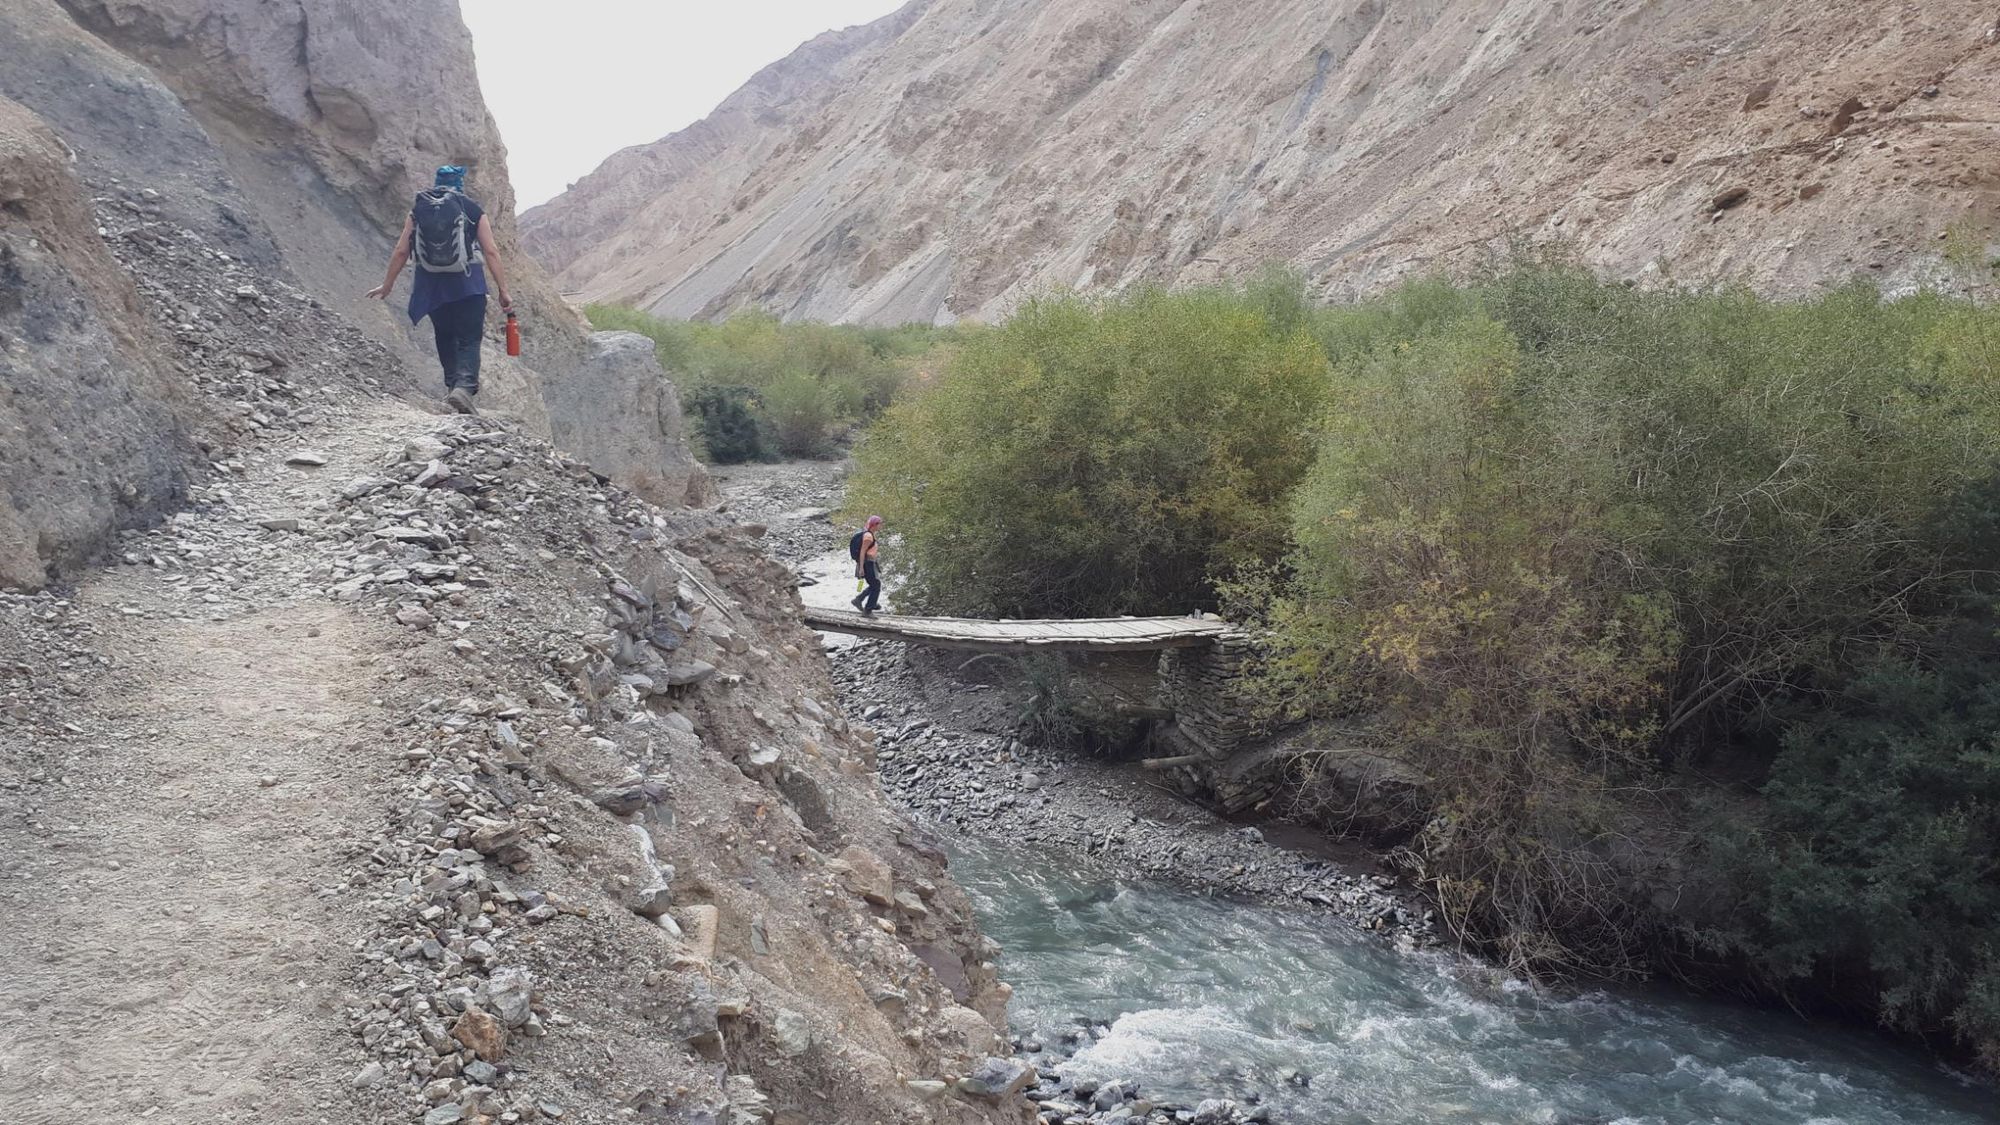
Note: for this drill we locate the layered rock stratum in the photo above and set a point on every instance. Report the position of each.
(960, 155)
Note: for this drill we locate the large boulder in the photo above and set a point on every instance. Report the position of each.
(619, 411)
(91, 437)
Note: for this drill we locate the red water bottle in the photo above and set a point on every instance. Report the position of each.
(513, 335)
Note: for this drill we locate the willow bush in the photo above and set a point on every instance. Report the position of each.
(1567, 543)
(755, 387)
(1097, 456)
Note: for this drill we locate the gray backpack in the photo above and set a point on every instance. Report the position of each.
(439, 240)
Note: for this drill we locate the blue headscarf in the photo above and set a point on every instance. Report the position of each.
(451, 176)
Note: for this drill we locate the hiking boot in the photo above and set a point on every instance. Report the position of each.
(857, 600)
(460, 400)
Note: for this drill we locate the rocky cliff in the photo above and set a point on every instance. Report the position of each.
(285, 140)
(89, 414)
(962, 154)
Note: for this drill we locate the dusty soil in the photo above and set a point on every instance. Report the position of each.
(180, 956)
(176, 813)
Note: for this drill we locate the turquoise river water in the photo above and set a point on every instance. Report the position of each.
(1206, 998)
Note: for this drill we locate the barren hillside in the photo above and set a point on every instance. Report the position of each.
(960, 154)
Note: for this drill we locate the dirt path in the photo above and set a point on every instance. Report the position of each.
(172, 894)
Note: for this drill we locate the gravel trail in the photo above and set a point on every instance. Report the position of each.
(186, 788)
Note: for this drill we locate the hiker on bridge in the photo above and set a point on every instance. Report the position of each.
(451, 239)
(866, 549)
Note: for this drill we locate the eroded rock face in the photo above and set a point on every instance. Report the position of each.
(329, 117)
(372, 96)
(284, 140)
(90, 435)
(963, 154)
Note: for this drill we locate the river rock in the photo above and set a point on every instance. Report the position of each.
(1111, 1094)
(996, 1079)
(1215, 1111)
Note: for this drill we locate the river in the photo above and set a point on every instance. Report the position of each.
(1209, 998)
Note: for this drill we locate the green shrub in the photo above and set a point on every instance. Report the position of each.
(803, 414)
(1452, 583)
(805, 386)
(1097, 457)
(725, 423)
(1877, 863)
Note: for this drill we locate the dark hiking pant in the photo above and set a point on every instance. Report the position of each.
(873, 594)
(459, 325)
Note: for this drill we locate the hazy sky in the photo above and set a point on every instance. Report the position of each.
(573, 81)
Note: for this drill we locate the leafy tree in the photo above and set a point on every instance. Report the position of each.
(1097, 457)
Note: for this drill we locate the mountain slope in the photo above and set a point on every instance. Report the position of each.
(961, 154)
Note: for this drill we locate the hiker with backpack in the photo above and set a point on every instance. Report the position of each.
(866, 550)
(451, 241)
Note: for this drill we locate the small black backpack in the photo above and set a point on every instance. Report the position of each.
(439, 241)
(854, 545)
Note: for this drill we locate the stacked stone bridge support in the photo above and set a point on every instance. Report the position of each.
(1203, 687)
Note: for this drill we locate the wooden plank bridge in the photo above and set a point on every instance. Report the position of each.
(1091, 634)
